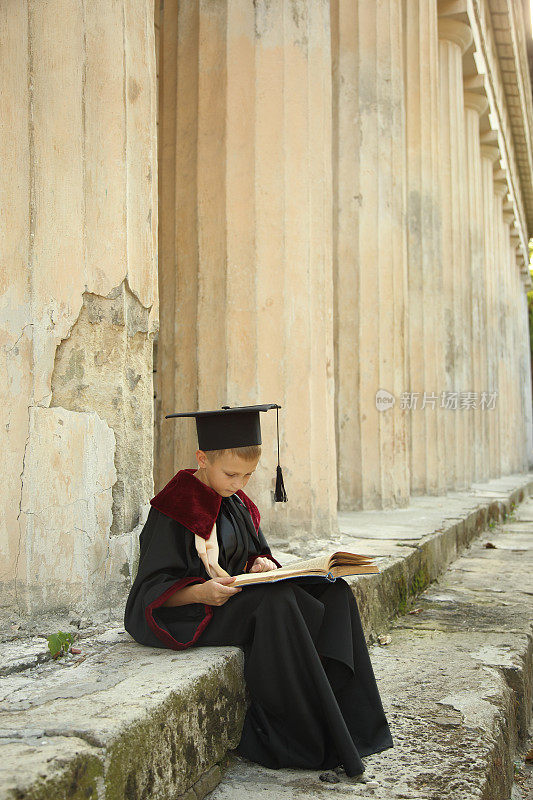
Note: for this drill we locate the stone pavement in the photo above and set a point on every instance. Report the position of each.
(126, 722)
(456, 680)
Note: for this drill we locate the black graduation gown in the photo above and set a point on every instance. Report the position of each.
(168, 559)
(314, 702)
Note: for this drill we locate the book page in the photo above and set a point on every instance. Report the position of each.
(342, 557)
(318, 563)
(318, 566)
(324, 563)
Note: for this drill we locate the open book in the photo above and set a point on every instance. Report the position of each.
(337, 565)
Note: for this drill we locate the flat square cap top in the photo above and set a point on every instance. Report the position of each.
(225, 410)
(229, 427)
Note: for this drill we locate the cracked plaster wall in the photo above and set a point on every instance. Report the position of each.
(78, 298)
(105, 364)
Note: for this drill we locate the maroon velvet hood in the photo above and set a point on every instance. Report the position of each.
(194, 505)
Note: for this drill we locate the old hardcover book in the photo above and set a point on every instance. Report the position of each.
(337, 565)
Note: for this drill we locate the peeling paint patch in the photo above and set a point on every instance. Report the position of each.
(105, 364)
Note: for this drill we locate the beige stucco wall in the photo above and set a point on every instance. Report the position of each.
(79, 294)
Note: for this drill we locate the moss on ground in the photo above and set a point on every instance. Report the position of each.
(181, 741)
(79, 781)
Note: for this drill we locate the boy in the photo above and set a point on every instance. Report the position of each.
(314, 698)
(227, 472)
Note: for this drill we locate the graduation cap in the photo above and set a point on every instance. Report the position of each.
(234, 427)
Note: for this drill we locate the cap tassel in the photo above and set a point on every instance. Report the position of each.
(280, 495)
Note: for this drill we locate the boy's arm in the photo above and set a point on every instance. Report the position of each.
(214, 592)
(188, 594)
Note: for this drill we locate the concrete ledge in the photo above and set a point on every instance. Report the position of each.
(456, 679)
(126, 721)
(427, 536)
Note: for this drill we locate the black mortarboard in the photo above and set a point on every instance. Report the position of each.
(234, 427)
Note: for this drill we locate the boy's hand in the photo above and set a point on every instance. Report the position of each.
(262, 564)
(216, 591)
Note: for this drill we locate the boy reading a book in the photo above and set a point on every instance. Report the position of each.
(314, 699)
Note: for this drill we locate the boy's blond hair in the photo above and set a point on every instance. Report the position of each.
(249, 453)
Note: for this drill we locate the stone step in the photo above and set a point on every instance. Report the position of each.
(456, 682)
(126, 721)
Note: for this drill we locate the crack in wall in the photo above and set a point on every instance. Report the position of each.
(13, 346)
(85, 500)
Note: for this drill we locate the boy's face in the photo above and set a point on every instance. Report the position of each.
(228, 473)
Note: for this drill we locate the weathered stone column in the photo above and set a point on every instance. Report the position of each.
(79, 281)
(490, 154)
(525, 370)
(517, 438)
(512, 422)
(523, 375)
(454, 38)
(369, 253)
(424, 257)
(516, 420)
(507, 373)
(247, 316)
(501, 250)
(476, 325)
